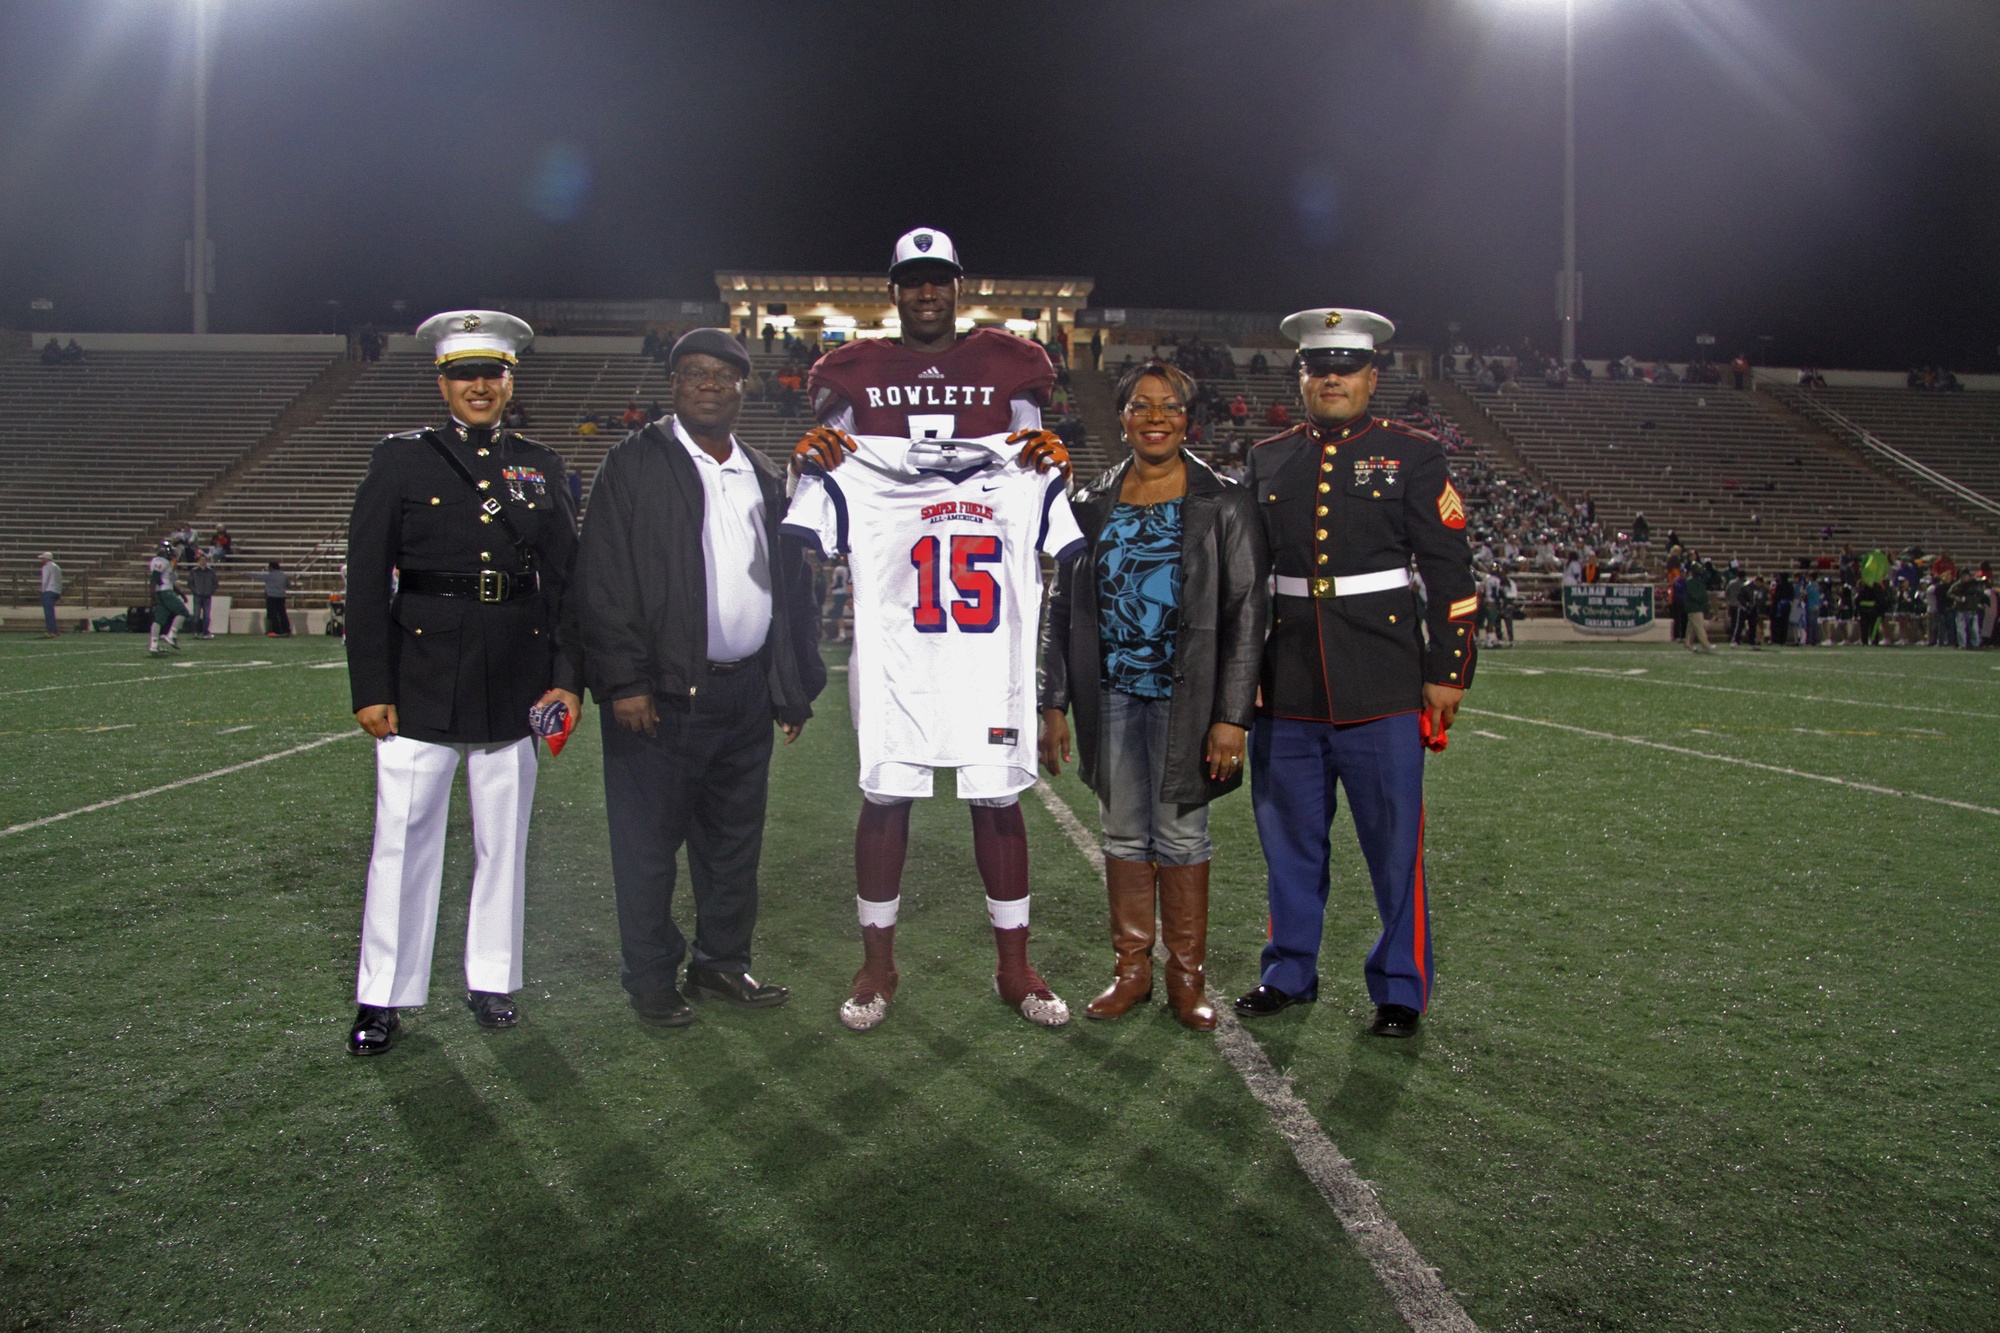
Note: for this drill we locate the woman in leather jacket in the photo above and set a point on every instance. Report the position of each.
(1152, 638)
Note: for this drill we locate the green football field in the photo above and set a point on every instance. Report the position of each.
(1715, 1042)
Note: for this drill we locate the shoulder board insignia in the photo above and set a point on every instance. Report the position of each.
(1451, 507)
(1281, 435)
(1406, 428)
(410, 434)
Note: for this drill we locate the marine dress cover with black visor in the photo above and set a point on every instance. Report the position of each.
(460, 669)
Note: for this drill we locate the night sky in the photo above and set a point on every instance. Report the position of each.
(1826, 172)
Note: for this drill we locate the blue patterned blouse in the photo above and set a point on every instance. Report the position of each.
(1138, 597)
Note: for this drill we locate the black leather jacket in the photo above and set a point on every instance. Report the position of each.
(1224, 609)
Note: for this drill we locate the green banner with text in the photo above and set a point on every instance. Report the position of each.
(1609, 608)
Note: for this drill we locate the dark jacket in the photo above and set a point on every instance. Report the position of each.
(1219, 632)
(1363, 499)
(458, 669)
(203, 581)
(642, 589)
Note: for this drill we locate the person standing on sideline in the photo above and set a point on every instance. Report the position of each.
(169, 611)
(699, 631)
(1694, 600)
(1153, 635)
(52, 590)
(277, 621)
(1351, 691)
(459, 554)
(202, 583)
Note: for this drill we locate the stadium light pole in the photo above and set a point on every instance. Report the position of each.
(1569, 287)
(200, 267)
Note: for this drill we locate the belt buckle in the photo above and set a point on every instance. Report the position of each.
(492, 585)
(1322, 587)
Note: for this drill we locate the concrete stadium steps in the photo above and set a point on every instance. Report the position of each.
(1728, 475)
(1956, 433)
(96, 456)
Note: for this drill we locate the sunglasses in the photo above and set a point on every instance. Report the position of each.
(465, 371)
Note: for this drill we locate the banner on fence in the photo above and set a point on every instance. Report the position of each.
(1609, 608)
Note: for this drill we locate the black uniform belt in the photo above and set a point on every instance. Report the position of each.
(731, 668)
(486, 585)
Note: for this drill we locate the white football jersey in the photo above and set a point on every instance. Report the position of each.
(947, 595)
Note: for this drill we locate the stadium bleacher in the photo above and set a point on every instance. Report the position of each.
(1730, 473)
(99, 455)
(1956, 433)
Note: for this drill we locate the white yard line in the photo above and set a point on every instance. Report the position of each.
(184, 782)
(1731, 759)
(139, 680)
(1420, 1298)
(1737, 689)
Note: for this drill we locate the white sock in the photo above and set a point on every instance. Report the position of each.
(877, 914)
(1009, 915)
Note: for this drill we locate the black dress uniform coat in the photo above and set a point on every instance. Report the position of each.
(1358, 500)
(1218, 632)
(458, 669)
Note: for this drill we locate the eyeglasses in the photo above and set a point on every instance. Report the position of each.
(1139, 407)
(703, 379)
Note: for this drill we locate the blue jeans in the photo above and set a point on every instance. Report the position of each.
(49, 600)
(1138, 826)
(1968, 629)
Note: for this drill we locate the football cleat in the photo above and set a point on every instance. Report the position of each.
(1040, 1006)
(858, 1013)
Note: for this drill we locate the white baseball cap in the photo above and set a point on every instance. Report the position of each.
(925, 245)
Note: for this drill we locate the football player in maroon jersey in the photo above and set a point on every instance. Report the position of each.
(934, 383)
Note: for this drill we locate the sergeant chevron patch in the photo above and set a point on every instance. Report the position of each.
(1450, 507)
(1463, 607)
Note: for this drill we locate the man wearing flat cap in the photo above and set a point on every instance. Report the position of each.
(699, 632)
(1354, 686)
(458, 558)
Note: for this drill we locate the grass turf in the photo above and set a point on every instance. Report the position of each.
(1712, 1048)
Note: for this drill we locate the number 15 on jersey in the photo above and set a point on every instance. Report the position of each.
(976, 610)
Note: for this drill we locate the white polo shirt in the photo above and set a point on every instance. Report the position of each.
(735, 551)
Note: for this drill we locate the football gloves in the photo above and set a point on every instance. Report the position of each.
(823, 447)
(1042, 450)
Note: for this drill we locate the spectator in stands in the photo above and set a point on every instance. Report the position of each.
(1579, 369)
(770, 335)
(52, 590)
(72, 353)
(1781, 610)
(1642, 531)
(1259, 364)
(1739, 369)
(220, 544)
(1871, 603)
(1811, 595)
(633, 417)
(277, 621)
(1239, 411)
(52, 353)
(202, 583)
(1278, 416)
(1572, 570)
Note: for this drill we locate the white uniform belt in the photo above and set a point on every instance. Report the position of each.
(1348, 585)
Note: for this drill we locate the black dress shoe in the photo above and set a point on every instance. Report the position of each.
(492, 1009)
(373, 1030)
(1395, 1020)
(1268, 1000)
(739, 988)
(663, 1008)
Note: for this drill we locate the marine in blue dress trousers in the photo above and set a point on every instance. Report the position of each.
(1355, 659)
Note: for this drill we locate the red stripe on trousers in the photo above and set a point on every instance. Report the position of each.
(1417, 934)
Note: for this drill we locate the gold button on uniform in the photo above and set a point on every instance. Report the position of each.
(1320, 534)
(486, 518)
(435, 500)
(1326, 467)
(1323, 486)
(486, 555)
(487, 486)
(484, 452)
(1321, 511)
(1392, 620)
(1274, 495)
(1322, 560)
(1378, 494)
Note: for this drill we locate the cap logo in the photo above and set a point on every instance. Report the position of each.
(1332, 318)
(470, 323)
(922, 240)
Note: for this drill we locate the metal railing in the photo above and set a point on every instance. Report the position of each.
(1841, 422)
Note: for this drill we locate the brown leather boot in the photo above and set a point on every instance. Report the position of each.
(1184, 929)
(1130, 885)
